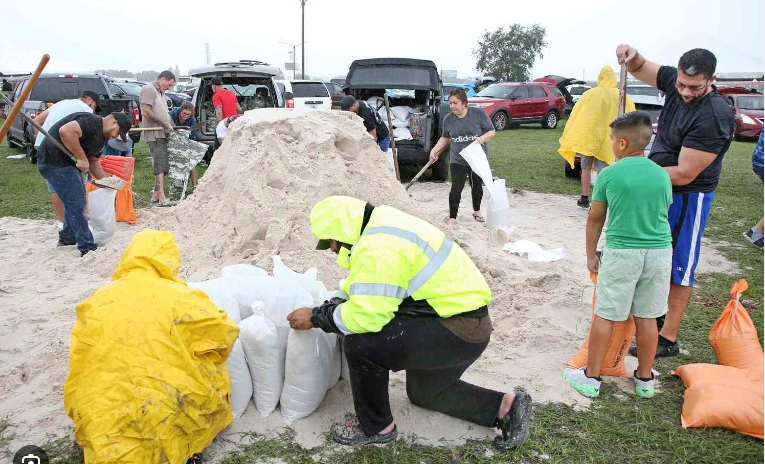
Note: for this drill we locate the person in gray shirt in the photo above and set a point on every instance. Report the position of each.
(461, 127)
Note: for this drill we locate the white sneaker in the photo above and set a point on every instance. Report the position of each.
(60, 226)
(644, 388)
(587, 386)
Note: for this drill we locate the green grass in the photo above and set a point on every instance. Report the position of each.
(618, 427)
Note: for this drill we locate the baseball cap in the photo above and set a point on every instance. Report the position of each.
(124, 123)
(93, 96)
(216, 81)
(347, 102)
(323, 245)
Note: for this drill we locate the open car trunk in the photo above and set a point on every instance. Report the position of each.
(251, 93)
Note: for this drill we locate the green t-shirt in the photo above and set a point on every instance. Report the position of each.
(638, 193)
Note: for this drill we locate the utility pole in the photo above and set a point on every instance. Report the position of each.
(302, 41)
(294, 46)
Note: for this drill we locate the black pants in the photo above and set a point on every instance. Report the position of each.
(459, 174)
(434, 360)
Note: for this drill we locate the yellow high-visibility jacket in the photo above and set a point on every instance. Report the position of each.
(396, 257)
(147, 382)
(587, 130)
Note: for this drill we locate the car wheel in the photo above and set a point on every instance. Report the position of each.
(440, 169)
(551, 120)
(499, 120)
(31, 153)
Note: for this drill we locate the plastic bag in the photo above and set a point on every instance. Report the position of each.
(618, 345)
(239, 280)
(498, 213)
(734, 335)
(307, 281)
(479, 163)
(265, 360)
(103, 221)
(215, 289)
(241, 381)
(312, 367)
(400, 112)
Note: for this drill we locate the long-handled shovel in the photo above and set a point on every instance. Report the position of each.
(22, 98)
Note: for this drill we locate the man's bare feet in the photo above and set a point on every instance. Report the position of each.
(507, 403)
(388, 429)
(451, 221)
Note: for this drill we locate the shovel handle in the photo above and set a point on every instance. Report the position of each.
(417, 176)
(23, 97)
(622, 89)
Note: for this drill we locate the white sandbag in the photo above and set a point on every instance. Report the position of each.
(265, 360)
(389, 155)
(376, 102)
(383, 113)
(312, 367)
(402, 134)
(241, 382)
(401, 112)
(239, 280)
(306, 280)
(478, 162)
(103, 219)
(498, 215)
(215, 289)
(400, 124)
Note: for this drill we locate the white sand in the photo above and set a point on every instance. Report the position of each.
(253, 203)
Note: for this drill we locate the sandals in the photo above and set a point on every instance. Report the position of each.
(350, 433)
(515, 425)
(478, 217)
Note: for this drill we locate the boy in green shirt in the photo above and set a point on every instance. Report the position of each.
(637, 259)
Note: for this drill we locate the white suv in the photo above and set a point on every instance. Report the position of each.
(306, 95)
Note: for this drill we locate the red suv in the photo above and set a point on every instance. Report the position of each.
(516, 103)
(748, 111)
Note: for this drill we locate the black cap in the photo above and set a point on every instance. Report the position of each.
(323, 245)
(93, 96)
(216, 81)
(124, 122)
(347, 102)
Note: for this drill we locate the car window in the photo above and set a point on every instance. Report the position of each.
(520, 92)
(54, 90)
(577, 90)
(281, 87)
(649, 91)
(133, 90)
(116, 90)
(497, 91)
(750, 103)
(335, 88)
(653, 110)
(309, 90)
(555, 91)
(536, 91)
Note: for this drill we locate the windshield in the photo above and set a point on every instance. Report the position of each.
(578, 90)
(750, 103)
(649, 91)
(496, 91)
(653, 110)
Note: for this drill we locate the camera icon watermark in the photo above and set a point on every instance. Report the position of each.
(30, 454)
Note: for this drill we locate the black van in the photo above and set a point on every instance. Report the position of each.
(408, 82)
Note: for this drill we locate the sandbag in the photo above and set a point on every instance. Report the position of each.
(239, 281)
(311, 368)
(103, 221)
(241, 381)
(734, 335)
(700, 374)
(147, 382)
(402, 133)
(308, 280)
(123, 206)
(401, 112)
(616, 351)
(215, 289)
(729, 407)
(265, 360)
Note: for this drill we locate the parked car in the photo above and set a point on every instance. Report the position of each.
(52, 88)
(339, 81)
(336, 92)
(190, 92)
(183, 83)
(561, 83)
(643, 90)
(130, 90)
(577, 91)
(306, 95)
(514, 103)
(420, 88)
(648, 103)
(748, 111)
(472, 87)
(251, 81)
(174, 99)
(448, 88)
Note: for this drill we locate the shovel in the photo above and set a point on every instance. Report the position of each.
(417, 177)
(622, 89)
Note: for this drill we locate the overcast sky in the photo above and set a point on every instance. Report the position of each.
(141, 35)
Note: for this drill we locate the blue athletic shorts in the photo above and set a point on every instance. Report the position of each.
(50, 187)
(688, 217)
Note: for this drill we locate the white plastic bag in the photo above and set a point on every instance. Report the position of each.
(265, 360)
(402, 133)
(535, 252)
(239, 280)
(312, 367)
(479, 163)
(215, 289)
(103, 220)
(241, 382)
(400, 112)
(307, 281)
(498, 216)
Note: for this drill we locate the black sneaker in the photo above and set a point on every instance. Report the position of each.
(61, 243)
(350, 433)
(514, 426)
(583, 202)
(661, 351)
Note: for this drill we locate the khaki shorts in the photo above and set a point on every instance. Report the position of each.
(588, 162)
(633, 281)
(159, 157)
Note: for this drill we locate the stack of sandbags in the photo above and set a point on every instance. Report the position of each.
(729, 395)
(294, 368)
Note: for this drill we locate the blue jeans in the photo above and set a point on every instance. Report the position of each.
(384, 144)
(67, 183)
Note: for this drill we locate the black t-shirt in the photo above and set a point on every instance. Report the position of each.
(706, 126)
(372, 120)
(92, 140)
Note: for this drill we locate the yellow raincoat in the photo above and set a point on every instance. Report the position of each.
(147, 381)
(587, 130)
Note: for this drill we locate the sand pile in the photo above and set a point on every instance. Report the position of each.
(253, 203)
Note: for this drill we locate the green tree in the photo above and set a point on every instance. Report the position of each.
(509, 54)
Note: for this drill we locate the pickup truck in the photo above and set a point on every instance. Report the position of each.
(52, 88)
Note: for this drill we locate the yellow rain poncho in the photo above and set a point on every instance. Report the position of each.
(147, 381)
(587, 130)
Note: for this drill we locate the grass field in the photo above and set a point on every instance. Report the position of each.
(618, 427)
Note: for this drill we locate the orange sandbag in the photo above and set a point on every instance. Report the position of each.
(120, 166)
(124, 210)
(710, 405)
(700, 374)
(618, 345)
(734, 335)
